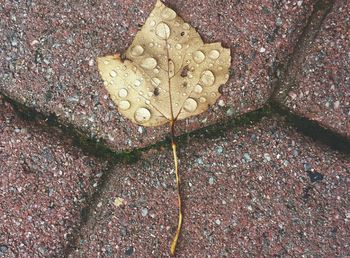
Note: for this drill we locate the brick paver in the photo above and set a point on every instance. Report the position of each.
(322, 88)
(264, 190)
(44, 186)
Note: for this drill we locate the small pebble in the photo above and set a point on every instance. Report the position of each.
(279, 21)
(218, 222)
(246, 156)
(221, 103)
(211, 181)
(199, 161)
(336, 104)
(3, 249)
(267, 157)
(144, 212)
(262, 50)
(307, 167)
(219, 150)
(230, 112)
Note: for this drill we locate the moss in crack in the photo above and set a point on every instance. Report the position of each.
(91, 146)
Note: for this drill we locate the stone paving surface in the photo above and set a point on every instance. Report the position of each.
(49, 50)
(264, 190)
(259, 190)
(322, 90)
(43, 188)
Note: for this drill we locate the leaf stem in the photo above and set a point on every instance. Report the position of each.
(176, 163)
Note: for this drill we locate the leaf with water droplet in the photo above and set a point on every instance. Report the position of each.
(167, 74)
(167, 56)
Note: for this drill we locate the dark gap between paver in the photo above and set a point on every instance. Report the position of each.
(286, 76)
(313, 130)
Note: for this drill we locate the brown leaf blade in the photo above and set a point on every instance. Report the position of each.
(169, 73)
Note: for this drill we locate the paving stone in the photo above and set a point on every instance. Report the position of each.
(289, 198)
(322, 91)
(43, 188)
(49, 50)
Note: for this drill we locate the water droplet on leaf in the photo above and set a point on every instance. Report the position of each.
(124, 105)
(198, 56)
(123, 93)
(113, 73)
(208, 78)
(163, 30)
(178, 46)
(198, 88)
(142, 115)
(137, 50)
(190, 105)
(168, 14)
(149, 63)
(137, 83)
(214, 54)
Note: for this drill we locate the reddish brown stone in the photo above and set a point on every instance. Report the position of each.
(43, 188)
(322, 91)
(264, 190)
(50, 48)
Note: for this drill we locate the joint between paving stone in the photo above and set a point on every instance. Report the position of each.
(287, 76)
(313, 129)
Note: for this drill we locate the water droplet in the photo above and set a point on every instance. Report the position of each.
(214, 54)
(198, 88)
(155, 70)
(137, 50)
(106, 62)
(148, 102)
(168, 14)
(208, 78)
(163, 30)
(151, 44)
(177, 24)
(178, 46)
(113, 73)
(184, 94)
(190, 105)
(124, 105)
(198, 56)
(171, 68)
(142, 115)
(137, 83)
(186, 26)
(202, 99)
(123, 93)
(149, 63)
(220, 68)
(152, 23)
(150, 94)
(155, 81)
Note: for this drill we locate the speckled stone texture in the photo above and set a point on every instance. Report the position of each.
(43, 187)
(49, 50)
(322, 92)
(262, 190)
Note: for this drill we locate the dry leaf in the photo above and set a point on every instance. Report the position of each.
(167, 74)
